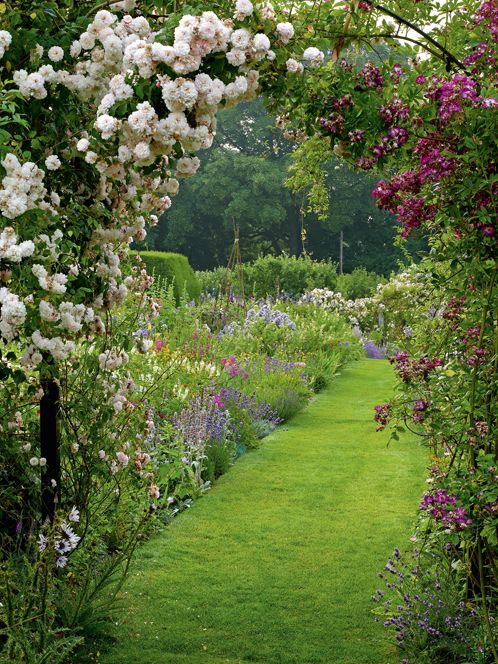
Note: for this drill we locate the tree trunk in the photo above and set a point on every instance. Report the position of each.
(49, 447)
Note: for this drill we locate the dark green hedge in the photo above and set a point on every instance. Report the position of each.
(172, 268)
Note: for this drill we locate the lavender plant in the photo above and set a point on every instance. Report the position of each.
(204, 421)
(423, 605)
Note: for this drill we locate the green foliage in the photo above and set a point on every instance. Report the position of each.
(309, 174)
(171, 268)
(29, 629)
(272, 276)
(219, 458)
(358, 283)
(244, 190)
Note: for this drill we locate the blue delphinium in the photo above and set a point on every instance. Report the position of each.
(373, 351)
(269, 316)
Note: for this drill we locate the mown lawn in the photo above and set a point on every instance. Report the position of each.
(276, 564)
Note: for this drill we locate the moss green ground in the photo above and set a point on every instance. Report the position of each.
(276, 564)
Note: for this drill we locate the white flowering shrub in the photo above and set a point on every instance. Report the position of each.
(102, 113)
(103, 110)
(401, 303)
(357, 312)
(123, 109)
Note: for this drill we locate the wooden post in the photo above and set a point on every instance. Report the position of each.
(49, 447)
(341, 252)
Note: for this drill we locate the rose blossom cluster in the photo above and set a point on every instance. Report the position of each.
(12, 314)
(57, 346)
(454, 94)
(402, 194)
(111, 360)
(5, 42)
(22, 188)
(414, 369)
(313, 56)
(136, 153)
(119, 395)
(11, 250)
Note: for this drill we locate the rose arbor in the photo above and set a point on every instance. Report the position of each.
(100, 118)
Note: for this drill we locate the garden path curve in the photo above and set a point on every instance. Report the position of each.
(276, 564)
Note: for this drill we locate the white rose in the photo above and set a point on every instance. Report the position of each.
(53, 162)
(55, 53)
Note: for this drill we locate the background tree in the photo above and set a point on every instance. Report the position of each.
(252, 180)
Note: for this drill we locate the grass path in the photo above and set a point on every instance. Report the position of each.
(276, 564)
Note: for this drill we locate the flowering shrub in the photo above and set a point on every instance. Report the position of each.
(134, 100)
(102, 112)
(204, 421)
(356, 311)
(422, 604)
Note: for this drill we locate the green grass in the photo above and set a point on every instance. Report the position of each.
(276, 564)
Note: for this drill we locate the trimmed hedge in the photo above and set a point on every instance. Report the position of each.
(174, 269)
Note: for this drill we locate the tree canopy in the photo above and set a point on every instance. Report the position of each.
(250, 179)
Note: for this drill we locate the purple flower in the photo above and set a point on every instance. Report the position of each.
(442, 508)
(356, 136)
(269, 316)
(382, 417)
(370, 77)
(62, 546)
(489, 102)
(373, 351)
